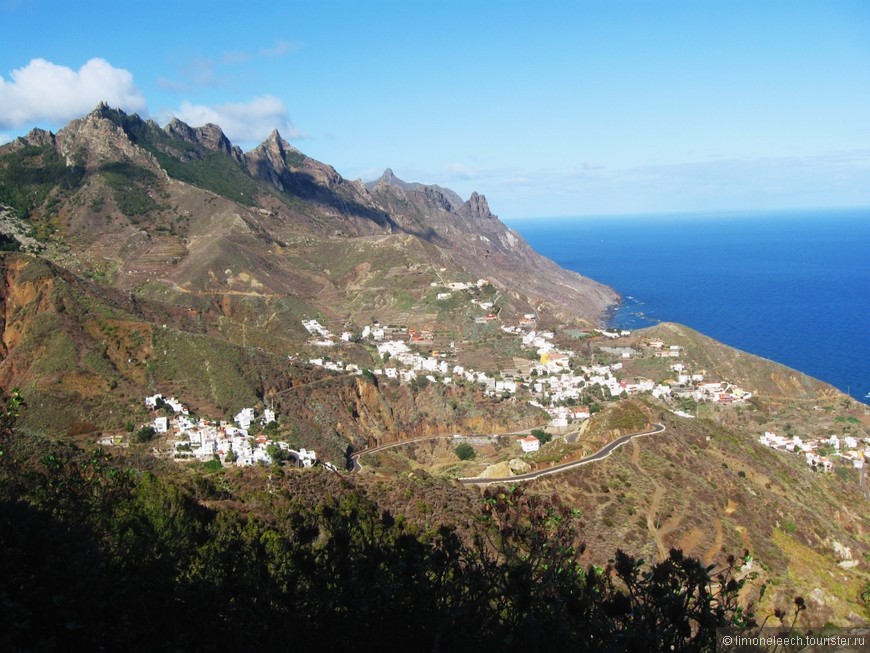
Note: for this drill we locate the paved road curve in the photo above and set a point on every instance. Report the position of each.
(390, 445)
(601, 454)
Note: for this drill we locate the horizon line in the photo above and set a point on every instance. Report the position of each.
(693, 212)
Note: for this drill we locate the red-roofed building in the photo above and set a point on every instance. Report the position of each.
(529, 443)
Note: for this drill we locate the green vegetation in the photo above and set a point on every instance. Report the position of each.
(204, 367)
(9, 244)
(419, 383)
(57, 352)
(131, 186)
(403, 301)
(99, 555)
(277, 454)
(294, 158)
(465, 451)
(145, 434)
(542, 435)
(190, 162)
(213, 465)
(216, 172)
(29, 175)
(627, 417)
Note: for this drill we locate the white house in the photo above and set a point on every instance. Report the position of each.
(307, 458)
(529, 443)
(151, 402)
(176, 405)
(506, 386)
(817, 462)
(245, 417)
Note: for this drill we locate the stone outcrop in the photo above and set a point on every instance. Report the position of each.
(477, 207)
(519, 466)
(209, 136)
(499, 470)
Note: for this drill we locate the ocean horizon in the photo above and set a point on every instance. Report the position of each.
(791, 286)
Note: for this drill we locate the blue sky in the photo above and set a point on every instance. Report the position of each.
(549, 108)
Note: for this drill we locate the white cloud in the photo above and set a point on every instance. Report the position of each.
(5, 138)
(42, 90)
(367, 174)
(826, 179)
(199, 72)
(517, 181)
(279, 49)
(242, 122)
(461, 171)
(172, 85)
(235, 56)
(214, 72)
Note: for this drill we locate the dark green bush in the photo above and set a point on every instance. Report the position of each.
(465, 451)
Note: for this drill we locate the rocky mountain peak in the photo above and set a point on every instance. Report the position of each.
(268, 161)
(39, 138)
(105, 134)
(181, 130)
(277, 150)
(478, 207)
(103, 110)
(388, 178)
(209, 136)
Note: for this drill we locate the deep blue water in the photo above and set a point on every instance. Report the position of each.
(791, 286)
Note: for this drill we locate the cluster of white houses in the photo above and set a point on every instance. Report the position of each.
(205, 440)
(323, 337)
(551, 382)
(847, 448)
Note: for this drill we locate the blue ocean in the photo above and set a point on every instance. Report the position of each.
(790, 286)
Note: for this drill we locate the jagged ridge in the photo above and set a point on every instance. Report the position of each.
(272, 194)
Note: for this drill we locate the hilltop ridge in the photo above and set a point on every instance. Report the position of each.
(188, 199)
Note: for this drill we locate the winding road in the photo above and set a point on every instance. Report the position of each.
(601, 454)
(391, 445)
